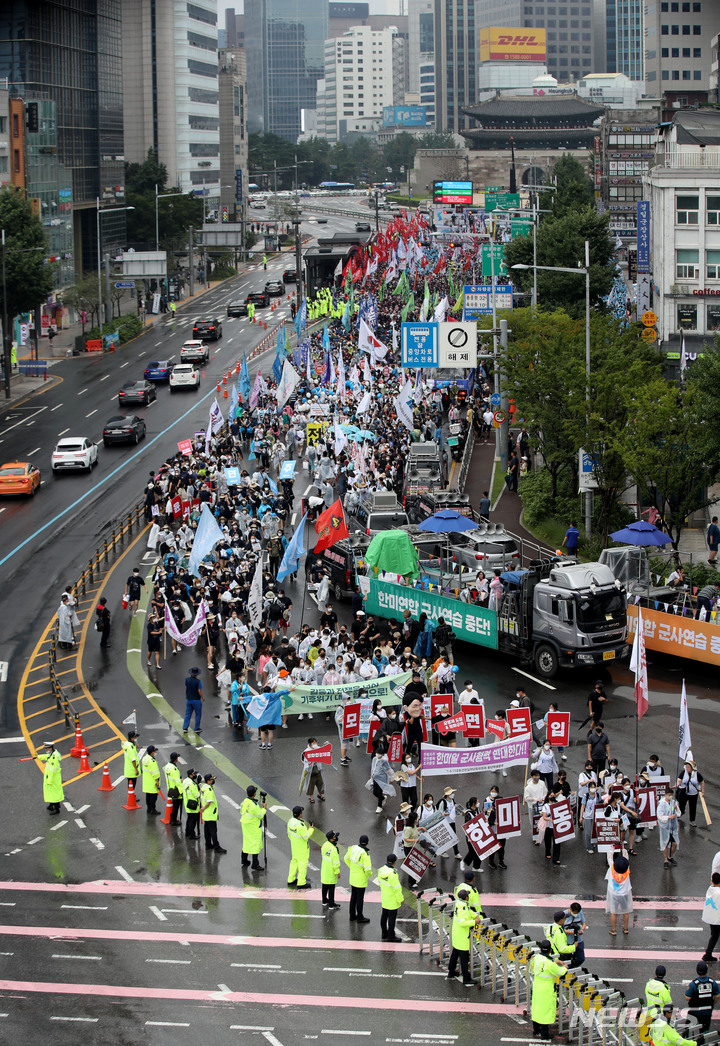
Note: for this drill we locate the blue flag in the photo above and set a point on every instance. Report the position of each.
(251, 455)
(277, 368)
(346, 318)
(280, 347)
(294, 550)
(272, 484)
(244, 381)
(207, 535)
(301, 317)
(326, 339)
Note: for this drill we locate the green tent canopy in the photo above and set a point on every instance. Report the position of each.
(393, 551)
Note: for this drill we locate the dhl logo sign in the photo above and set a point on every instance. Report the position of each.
(519, 41)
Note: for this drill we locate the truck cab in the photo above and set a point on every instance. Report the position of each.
(563, 614)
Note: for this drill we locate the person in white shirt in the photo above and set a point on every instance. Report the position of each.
(368, 670)
(546, 763)
(534, 796)
(469, 694)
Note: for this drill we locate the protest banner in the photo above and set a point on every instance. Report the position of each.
(518, 719)
(474, 720)
(558, 729)
(437, 760)
(438, 702)
(495, 726)
(507, 813)
(480, 836)
(646, 802)
(563, 824)
(395, 748)
(306, 698)
(319, 755)
(351, 721)
(417, 862)
(455, 722)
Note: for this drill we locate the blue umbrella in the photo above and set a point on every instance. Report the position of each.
(640, 533)
(447, 521)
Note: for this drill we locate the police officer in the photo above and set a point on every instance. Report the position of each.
(173, 783)
(150, 779)
(191, 800)
(330, 870)
(391, 897)
(701, 994)
(209, 813)
(462, 922)
(473, 902)
(358, 861)
(252, 814)
(557, 937)
(657, 992)
(543, 1003)
(131, 767)
(662, 1032)
(299, 832)
(53, 793)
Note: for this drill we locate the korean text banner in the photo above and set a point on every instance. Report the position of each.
(311, 698)
(675, 634)
(437, 760)
(472, 623)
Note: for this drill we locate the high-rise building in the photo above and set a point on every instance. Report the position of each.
(625, 38)
(575, 31)
(285, 45)
(421, 52)
(170, 83)
(69, 52)
(456, 61)
(234, 29)
(363, 74)
(678, 52)
(233, 133)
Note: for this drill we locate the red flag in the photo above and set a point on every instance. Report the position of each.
(330, 526)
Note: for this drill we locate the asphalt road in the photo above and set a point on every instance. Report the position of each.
(117, 926)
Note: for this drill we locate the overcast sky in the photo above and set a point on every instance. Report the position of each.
(377, 7)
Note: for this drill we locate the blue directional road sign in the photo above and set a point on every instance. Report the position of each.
(495, 399)
(128, 284)
(419, 344)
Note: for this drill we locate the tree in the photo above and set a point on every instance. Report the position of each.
(437, 140)
(83, 298)
(29, 279)
(561, 242)
(141, 178)
(574, 190)
(400, 152)
(174, 217)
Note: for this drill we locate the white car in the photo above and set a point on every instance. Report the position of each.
(184, 376)
(194, 351)
(74, 452)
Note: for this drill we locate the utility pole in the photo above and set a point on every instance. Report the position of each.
(505, 427)
(7, 354)
(108, 299)
(377, 211)
(191, 262)
(298, 263)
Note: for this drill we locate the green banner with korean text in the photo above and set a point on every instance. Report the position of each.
(471, 623)
(304, 698)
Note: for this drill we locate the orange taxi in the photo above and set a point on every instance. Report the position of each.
(19, 477)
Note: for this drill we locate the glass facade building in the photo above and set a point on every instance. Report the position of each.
(49, 187)
(284, 40)
(69, 52)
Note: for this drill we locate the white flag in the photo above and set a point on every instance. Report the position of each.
(368, 342)
(367, 373)
(683, 357)
(191, 636)
(286, 386)
(402, 406)
(255, 598)
(131, 719)
(684, 741)
(341, 377)
(216, 419)
(440, 310)
(341, 440)
(364, 404)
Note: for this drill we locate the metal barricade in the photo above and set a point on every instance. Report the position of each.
(438, 928)
(517, 958)
(499, 939)
(477, 962)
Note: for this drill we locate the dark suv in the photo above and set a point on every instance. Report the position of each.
(341, 561)
(207, 330)
(258, 298)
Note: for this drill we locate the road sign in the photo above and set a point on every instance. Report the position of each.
(477, 299)
(419, 344)
(649, 319)
(493, 264)
(499, 416)
(495, 399)
(457, 344)
(127, 284)
(501, 201)
(587, 480)
(649, 334)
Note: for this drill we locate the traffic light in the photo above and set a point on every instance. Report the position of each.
(33, 119)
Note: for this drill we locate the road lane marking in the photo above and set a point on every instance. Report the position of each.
(82, 809)
(156, 911)
(346, 969)
(22, 421)
(256, 965)
(82, 390)
(96, 843)
(55, 408)
(105, 377)
(87, 907)
(174, 962)
(124, 874)
(35, 451)
(58, 825)
(63, 432)
(37, 839)
(10, 740)
(527, 675)
(126, 364)
(167, 1024)
(85, 1020)
(94, 958)
(271, 1038)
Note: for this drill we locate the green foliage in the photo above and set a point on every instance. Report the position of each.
(128, 327)
(83, 296)
(561, 242)
(174, 215)
(223, 272)
(540, 505)
(28, 278)
(574, 190)
(141, 178)
(696, 574)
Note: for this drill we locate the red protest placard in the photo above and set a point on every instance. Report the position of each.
(558, 728)
(186, 506)
(646, 802)
(606, 831)
(395, 749)
(351, 720)
(518, 720)
(507, 813)
(185, 446)
(373, 728)
(496, 726)
(474, 720)
(455, 722)
(319, 755)
(176, 504)
(416, 863)
(563, 825)
(438, 702)
(480, 836)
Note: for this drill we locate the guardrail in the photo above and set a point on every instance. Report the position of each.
(465, 461)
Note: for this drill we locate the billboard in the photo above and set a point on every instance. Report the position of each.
(512, 44)
(453, 192)
(404, 116)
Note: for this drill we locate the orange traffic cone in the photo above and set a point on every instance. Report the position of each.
(84, 762)
(79, 747)
(237, 367)
(132, 803)
(218, 387)
(225, 394)
(229, 373)
(165, 819)
(106, 785)
(266, 326)
(224, 380)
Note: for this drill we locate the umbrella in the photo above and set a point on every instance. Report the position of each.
(447, 521)
(640, 533)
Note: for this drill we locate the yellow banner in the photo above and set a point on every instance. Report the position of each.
(675, 634)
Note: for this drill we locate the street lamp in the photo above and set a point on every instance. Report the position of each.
(586, 273)
(99, 211)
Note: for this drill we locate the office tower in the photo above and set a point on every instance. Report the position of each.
(455, 63)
